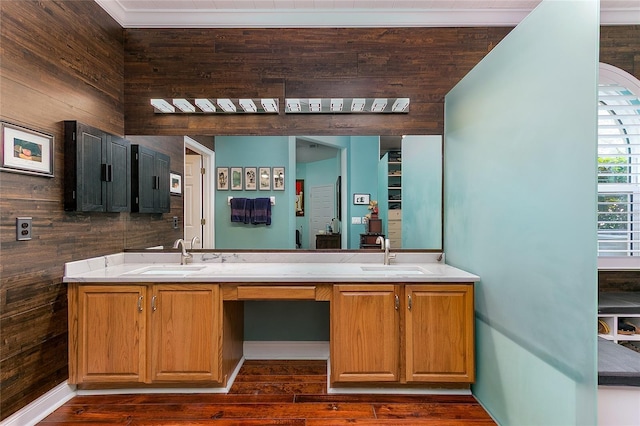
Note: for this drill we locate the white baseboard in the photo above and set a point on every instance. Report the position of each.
(286, 350)
(120, 391)
(41, 407)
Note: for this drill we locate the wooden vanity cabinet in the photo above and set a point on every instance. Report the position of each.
(111, 333)
(437, 344)
(186, 321)
(365, 333)
(439, 337)
(145, 333)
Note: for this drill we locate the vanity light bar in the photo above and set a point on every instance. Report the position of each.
(346, 105)
(271, 105)
(216, 106)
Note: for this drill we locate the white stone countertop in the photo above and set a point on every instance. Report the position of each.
(259, 267)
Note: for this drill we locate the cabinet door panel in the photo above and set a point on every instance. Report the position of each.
(145, 182)
(186, 336)
(365, 337)
(119, 175)
(439, 333)
(90, 184)
(162, 194)
(111, 334)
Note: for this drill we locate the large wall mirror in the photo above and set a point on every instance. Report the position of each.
(324, 189)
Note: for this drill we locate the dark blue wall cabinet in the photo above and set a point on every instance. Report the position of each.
(150, 181)
(97, 170)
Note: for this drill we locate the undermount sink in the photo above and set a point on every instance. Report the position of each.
(167, 270)
(395, 270)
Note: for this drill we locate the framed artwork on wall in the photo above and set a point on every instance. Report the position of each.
(265, 178)
(222, 174)
(175, 179)
(236, 178)
(361, 199)
(250, 178)
(26, 151)
(278, 178)
(299, 197)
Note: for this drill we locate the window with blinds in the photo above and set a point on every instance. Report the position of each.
(618, 172)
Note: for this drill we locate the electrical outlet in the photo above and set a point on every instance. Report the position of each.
(175, 222)
(23, 228)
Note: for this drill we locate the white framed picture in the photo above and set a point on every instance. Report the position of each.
(250, 178)
(265, 178)
(222, 174)
(236, 178)
(278, 178)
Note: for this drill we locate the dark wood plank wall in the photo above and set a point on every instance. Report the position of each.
(420, 63)
(64, 60)
(61, 60)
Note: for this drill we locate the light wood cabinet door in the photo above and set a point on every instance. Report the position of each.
(439, 333)
(111, 333)
(365, 333)
(186, 321)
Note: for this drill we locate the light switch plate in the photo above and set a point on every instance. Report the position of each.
(356, 220)
(23, 228)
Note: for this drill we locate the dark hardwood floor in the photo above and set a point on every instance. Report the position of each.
(273, 393)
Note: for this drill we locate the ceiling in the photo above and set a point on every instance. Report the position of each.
(339, 13)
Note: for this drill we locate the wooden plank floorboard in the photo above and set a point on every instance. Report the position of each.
(273, 393)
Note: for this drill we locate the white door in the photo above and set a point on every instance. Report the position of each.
(193, 198)
(322, 210)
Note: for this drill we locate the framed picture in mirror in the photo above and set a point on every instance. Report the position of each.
(299, 197)
(222, 174)
(278, 178)
(265, 178)
(250, 179)
(236, 178)
(176, 183)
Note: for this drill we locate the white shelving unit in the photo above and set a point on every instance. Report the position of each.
(612, 321)
(394, 198)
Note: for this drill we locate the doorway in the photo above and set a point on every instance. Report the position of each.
(322, 210)
(198, 201)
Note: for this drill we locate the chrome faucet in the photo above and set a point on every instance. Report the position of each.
(184, 255)
(195, 240)
(386, 246)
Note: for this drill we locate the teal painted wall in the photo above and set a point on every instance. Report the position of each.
(520, 198)
(316, 173)
(255, 151)
(422, 192)
(363, 157)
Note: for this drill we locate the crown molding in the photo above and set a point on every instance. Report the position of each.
(336, 18)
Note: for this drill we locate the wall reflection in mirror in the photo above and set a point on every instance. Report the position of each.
(313, 204)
